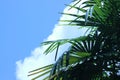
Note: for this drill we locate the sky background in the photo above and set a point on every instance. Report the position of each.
(23, 26)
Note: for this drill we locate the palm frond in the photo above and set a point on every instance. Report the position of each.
(55, 44)
(40, 71)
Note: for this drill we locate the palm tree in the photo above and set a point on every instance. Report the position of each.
(92, 57)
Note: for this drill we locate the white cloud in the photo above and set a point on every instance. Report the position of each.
(37, 59)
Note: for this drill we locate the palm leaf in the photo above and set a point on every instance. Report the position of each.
(40, 71)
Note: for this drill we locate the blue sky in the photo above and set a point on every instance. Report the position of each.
(23, 26)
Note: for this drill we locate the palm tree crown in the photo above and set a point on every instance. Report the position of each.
(92, 57)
